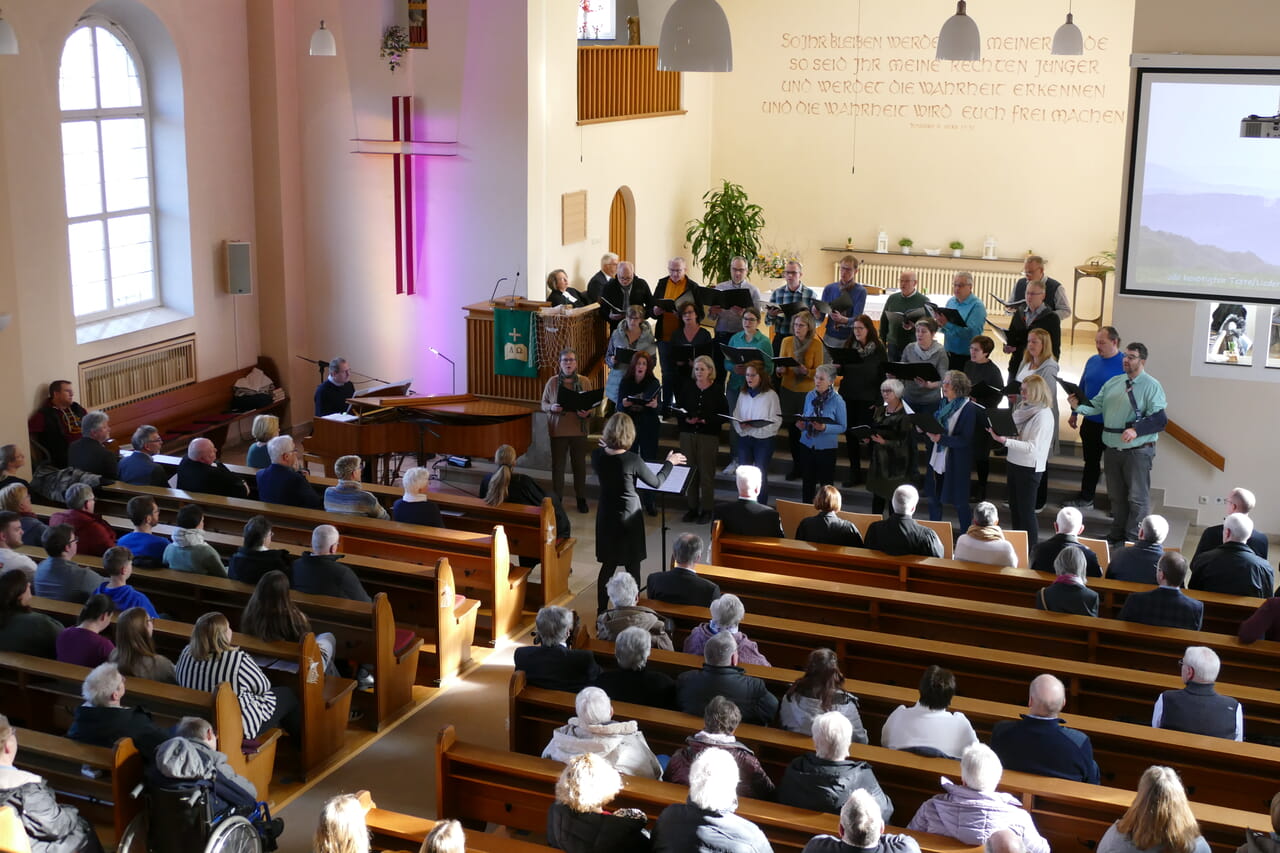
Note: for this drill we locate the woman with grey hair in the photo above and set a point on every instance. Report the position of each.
(94, 536)
(415, 507)
(818, 438)
(551, 663)
(347, 498)
(726, 614)
(709, 813)
(11, 461)
(594, 730)
(822, 780)
(950, 460)
(720, 721)
(102, 720)
(625, 613)
(1068, 592)
(975, 810)
(577, 821)
(892, 448)
(984, 541)
(632, 681)
(861, 831)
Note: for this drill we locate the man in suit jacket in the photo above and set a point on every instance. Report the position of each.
(318, 572)
(901, 534)
(1040, 743)
(1166, 605)
(280, 482)
(747, 516)
(624, 290)
(608, 268)
(1241, 501)
(138, 468)
(1137, 563)
(721, 676)
(200, 471)
(680, 584)
(551, 663)
(1233, 568)
(90, 452)
(1067, 526)
(1036, 314)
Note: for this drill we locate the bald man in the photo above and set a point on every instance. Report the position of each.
(1040, 743)
(200, 471)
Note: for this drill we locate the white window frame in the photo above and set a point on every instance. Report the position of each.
(609, 10)
(97, 115)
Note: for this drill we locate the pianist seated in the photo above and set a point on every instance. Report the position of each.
(347, 497)
(415, 507)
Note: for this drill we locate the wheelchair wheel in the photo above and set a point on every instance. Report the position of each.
(234, 835)
(134, 839)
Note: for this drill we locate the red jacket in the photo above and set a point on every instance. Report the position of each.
(95, 535)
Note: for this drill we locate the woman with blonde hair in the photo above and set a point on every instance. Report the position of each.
(795, 382)
(1158, 821)
(341, 828)
(210, 659)
(577, 821)
(620, 535)
(701, 407)
(16, 497)
(445, 837)
(135, 651)
(265, 428)
(1028, 454)
(1037, 360)
(506, 485)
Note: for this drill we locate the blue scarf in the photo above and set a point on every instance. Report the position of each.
(949, 408)
(819, 403)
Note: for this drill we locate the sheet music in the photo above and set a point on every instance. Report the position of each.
(676, 481)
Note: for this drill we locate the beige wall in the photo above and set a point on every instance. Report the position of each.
(1233, 417)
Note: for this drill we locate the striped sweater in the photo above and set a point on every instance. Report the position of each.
(252, 689)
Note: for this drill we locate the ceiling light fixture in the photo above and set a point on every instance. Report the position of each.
(695, 37)
(959, 40)
(1068, 40)
(8, 39)
(322, 42)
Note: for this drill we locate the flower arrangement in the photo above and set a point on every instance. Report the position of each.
(395, 44)
(771, 263)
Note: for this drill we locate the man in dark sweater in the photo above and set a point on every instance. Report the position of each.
(1198, 708)
(1233, 568)
(901, 534)
(721, 676)
(1137, 563)
(1237, 500)
(747, 516)
(90, 452)
(318, 571)
(551, 663)
(57, 423)
(333, 393)
(200, 471)
(280, 482)
(1067, 526)
(862, 830)
(680, 584)
(1166, 605)
(1040, 743)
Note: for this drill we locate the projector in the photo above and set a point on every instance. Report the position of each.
(1260, 127)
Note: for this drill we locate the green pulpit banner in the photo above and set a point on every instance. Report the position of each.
(515, 342)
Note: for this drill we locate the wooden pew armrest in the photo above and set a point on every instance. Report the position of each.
(258, 745)
(467, 606)
(565, 546)
(335, 687)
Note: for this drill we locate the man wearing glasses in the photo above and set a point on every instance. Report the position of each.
(840, 321)
(1132, 406)
(729, 320)
(138, 468)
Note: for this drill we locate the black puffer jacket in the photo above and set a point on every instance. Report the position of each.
(685, 828)
(592, 832)
(823, 786)
(50, 827)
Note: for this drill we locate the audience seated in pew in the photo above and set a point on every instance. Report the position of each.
(90, 452)
(341, 827)
(147, 547)
(1263, 624)
(720, 675)
(135, 651)
(102, 720)
(594, 731)
(720, 723)
(10, 539)
(506, 485)
(50, 826)
(447, 836)
(255, 556)
(551, 663)
(927, 727)
(1198, 708)
(265, 428)
(95, 535)
(1040, 743)
(347, 498)
(281, 482)
(321, 572)
(11, 461)
(727, 613)
(118, 564)
(632, 681)
(271, 615)
(1159, 818)
(1167, 605)
(16, 497)
(680, 584)
(1238, 500)
(746, 516)
(984, 541)
(706, 823)
(1067, 526)
(201, 472)
(59, 578)
(861, 831)
(416, 507)
(23, 630)
(823, 779)
(83, 643)
(1261, 841)
(625, 613)
(974, 810)
(1137, 563)
(138, 468)
(1233, 568)
(826, 527)
(1068, 593)
(899, 533)
(819, 690)
(577, 820)
(189, 552)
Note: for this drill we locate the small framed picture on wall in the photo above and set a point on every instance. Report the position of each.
(417, 23)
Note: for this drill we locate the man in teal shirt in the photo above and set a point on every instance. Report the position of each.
(1132, 407)
(959, 335)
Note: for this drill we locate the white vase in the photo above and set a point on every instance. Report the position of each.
(955, 253)
(906, 250)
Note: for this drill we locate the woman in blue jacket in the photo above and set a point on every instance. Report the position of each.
(818, 440)
(951, 463)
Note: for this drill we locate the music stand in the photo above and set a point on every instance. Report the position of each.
(677, 483)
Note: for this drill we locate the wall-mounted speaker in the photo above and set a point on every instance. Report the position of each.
(239, 267)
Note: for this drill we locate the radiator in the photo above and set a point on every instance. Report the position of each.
(137, 374)
(937, 280)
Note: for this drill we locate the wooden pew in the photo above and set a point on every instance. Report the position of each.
(982, 623)
(13, 836)
(792, 513)
(45, 692)
(398, 831)
(59, 760)
(479, 562)
(955, 578)
(483, 784)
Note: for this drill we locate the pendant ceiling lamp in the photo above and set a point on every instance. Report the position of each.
(695, 37)
(322, 42)
(8, 39)
(1068, 40)
(959, 39)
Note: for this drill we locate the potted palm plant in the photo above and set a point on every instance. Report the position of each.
(730, 226)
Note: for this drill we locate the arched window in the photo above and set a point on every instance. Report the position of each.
(108, 169)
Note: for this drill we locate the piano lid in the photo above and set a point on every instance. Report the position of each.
(455, 407)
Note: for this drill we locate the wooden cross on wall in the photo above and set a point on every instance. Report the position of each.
(404, 151)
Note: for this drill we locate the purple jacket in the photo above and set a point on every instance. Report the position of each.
(971, 816)
(748, 652)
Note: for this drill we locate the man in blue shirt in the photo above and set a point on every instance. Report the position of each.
(1132, 406)
(1098, 369)
(147, 547)
(958, 337)
(118, 563)
(840, 323)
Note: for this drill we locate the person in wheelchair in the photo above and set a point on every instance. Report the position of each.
(191, 757)
(50, 826)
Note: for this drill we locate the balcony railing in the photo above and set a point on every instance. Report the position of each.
(623, 82)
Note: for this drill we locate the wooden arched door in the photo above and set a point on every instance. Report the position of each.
(621, 229)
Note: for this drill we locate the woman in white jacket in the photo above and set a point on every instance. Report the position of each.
(1028, 453)
(757, 402)
(594, 731)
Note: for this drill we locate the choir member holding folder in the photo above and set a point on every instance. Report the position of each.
(567, 424)
(685, 344)
(700, 412)
(861, 361)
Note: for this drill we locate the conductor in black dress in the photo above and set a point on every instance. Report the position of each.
(620, 535)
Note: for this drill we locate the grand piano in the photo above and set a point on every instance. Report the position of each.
(460, 424)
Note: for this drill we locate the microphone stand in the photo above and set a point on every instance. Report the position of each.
(453, 368)
(321, 363)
